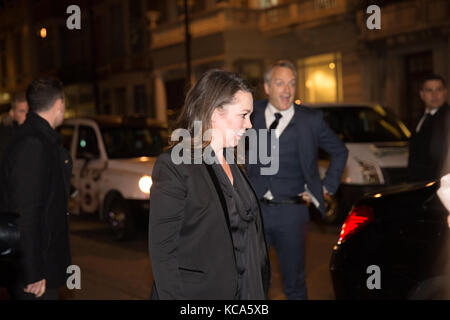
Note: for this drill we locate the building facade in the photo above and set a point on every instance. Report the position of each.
(122, 57)
(129, 57)
(105, 65)
(339, 59)
(35, 41)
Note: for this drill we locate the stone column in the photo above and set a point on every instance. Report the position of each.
(160, 97)
(447, 76)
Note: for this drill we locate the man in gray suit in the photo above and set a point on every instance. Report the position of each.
(300, 132)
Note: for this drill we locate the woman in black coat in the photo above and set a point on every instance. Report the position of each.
(206, 237)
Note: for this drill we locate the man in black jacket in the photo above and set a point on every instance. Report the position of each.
(15, 117)
(34, 183)
(429, 142)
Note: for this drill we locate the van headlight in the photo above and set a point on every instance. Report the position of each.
(369, 172)
(145, 183)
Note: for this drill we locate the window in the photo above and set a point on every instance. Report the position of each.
(263, 4)
(106, 103)
(120, 100)
(137, 30)
(320, 78)
(140, 99)
(134, 141)
(87, 146)
(364, 124)
(116, 32)
(160, 8)
(66, 135)
(194, 6)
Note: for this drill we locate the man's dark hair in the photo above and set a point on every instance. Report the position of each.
(430, 77)
(42, 93)
(18, 97)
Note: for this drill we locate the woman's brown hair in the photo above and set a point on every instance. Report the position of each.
(214, 89)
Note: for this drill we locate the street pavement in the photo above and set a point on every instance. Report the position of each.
(112, 270)
(122, 270)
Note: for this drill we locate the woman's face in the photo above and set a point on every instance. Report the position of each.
(230, 122)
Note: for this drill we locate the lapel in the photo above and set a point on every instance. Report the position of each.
(302, 143)
(307, 153)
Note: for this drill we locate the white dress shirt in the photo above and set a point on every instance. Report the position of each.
(286, 116)
(432, 112)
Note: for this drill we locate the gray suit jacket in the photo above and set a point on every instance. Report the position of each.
(313, 133)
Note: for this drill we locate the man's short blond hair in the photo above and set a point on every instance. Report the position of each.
(280, 63)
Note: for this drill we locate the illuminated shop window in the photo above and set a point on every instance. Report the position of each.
(262, 4)
(320, 78)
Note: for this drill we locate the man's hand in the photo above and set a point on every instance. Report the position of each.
(306, 198)
(37, 288)
(326, 196)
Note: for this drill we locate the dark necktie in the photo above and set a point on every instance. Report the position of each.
(273, 126)
(425, 121)
(275, 122)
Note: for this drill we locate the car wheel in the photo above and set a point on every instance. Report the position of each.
(120, 219)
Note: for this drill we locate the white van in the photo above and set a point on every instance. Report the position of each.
(377, 142)
(113, 158)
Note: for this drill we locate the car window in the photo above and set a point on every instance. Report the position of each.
(87, 146)
(364, 124)
(66, 132)
(132, 142)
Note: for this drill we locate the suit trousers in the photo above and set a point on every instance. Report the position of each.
(285, 226)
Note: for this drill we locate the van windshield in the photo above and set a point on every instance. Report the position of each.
(365, 124)
(132, 142)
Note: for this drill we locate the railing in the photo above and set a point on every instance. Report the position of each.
(207, 23)
(227, 17)
(300, 13)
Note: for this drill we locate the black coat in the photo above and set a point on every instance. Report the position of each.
(34, 183)
(428, 148)
(190, 242)
(6, 133)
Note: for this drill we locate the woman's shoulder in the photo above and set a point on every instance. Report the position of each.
(177, 160)
(165, 159)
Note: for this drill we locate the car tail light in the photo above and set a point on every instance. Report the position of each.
(359, 217)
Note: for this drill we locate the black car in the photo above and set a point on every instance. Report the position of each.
(394, 245)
